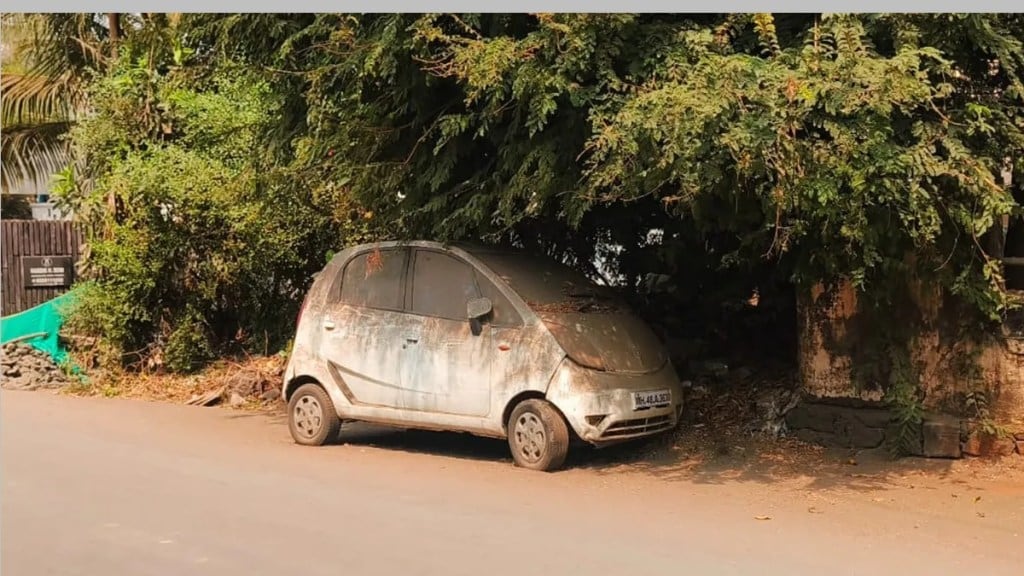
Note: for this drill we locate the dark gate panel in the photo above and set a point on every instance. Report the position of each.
(38, 248)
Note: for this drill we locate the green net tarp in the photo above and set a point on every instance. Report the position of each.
(41, 324)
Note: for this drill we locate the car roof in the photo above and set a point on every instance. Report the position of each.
(470, 247)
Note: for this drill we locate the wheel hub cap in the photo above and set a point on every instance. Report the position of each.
(308, 416)
(530, 438)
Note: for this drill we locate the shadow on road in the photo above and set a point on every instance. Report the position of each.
(681, 458)
(722, 460)
(451, 444)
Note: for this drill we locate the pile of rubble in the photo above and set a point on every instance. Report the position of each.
(723, 398)
(25, 368)
(255, 382)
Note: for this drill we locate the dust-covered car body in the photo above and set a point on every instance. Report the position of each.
(423, 335)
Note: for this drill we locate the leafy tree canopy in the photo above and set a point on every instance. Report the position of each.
(767, 150)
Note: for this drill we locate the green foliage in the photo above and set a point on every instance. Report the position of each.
(977, 406)
(207, 247)
(903, 395)
(771, 151)
(188, 346)
(789, 149)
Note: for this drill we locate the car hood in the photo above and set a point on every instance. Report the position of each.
(614, 342)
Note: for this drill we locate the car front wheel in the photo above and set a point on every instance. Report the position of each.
(538, 436)
(312, 419)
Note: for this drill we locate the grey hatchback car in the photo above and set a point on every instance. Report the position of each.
(490, 342)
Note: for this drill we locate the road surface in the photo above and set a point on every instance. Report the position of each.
(104, 487)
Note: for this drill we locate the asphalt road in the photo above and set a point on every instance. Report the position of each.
(109, 487)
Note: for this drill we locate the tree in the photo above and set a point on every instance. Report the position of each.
(46, 64)
(769, 151)
(200, 243)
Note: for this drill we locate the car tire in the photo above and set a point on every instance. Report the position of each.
(538, 436)
(312, 419)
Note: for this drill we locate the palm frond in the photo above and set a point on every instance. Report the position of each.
(33, 153)
(47, 58)
(52, 45)
(31, 99)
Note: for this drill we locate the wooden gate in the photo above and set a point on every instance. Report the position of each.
(38, 261)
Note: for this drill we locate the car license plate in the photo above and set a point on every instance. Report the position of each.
(642, 400)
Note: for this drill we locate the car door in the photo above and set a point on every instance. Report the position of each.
(445, 367)
(362, 327)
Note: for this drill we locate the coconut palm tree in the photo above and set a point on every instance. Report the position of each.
(46, 62)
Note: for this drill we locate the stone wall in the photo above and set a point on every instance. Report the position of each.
(839, 410)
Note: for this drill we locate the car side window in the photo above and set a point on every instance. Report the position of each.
(375, 280)
(441, 285)
(504, 313)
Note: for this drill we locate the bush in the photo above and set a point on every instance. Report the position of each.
(188, 346)
(209, 246)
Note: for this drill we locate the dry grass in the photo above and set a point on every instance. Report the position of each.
(249, 377)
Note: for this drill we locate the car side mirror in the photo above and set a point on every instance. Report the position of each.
(476, 310)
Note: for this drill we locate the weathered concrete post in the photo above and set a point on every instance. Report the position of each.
(838, 410)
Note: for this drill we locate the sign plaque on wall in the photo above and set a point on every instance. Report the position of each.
(47, 271)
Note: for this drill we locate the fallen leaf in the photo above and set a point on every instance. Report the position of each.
(879, 499)
(814, 510)
(762, 517)
(981, 514)
(977, 499)
(851, 462)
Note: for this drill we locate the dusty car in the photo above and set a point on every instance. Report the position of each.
(491, 342)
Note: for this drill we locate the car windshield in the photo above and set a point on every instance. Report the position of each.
(548, 286)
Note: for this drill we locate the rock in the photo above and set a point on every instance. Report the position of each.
(874, 417)
(982, 444)
(810, 417)
(236, 400)
(25, 368)
(20, 383)
(815, 437)
(940, 436)
(772, 406)
(842, 426)
(852, 433)
(270, 395)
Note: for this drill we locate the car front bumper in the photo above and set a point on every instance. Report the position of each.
(599, 406)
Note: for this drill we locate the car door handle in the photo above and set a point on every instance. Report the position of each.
(328, 324)
(412, 340)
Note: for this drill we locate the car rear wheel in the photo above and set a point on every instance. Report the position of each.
(312, 419)
(538, 436)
